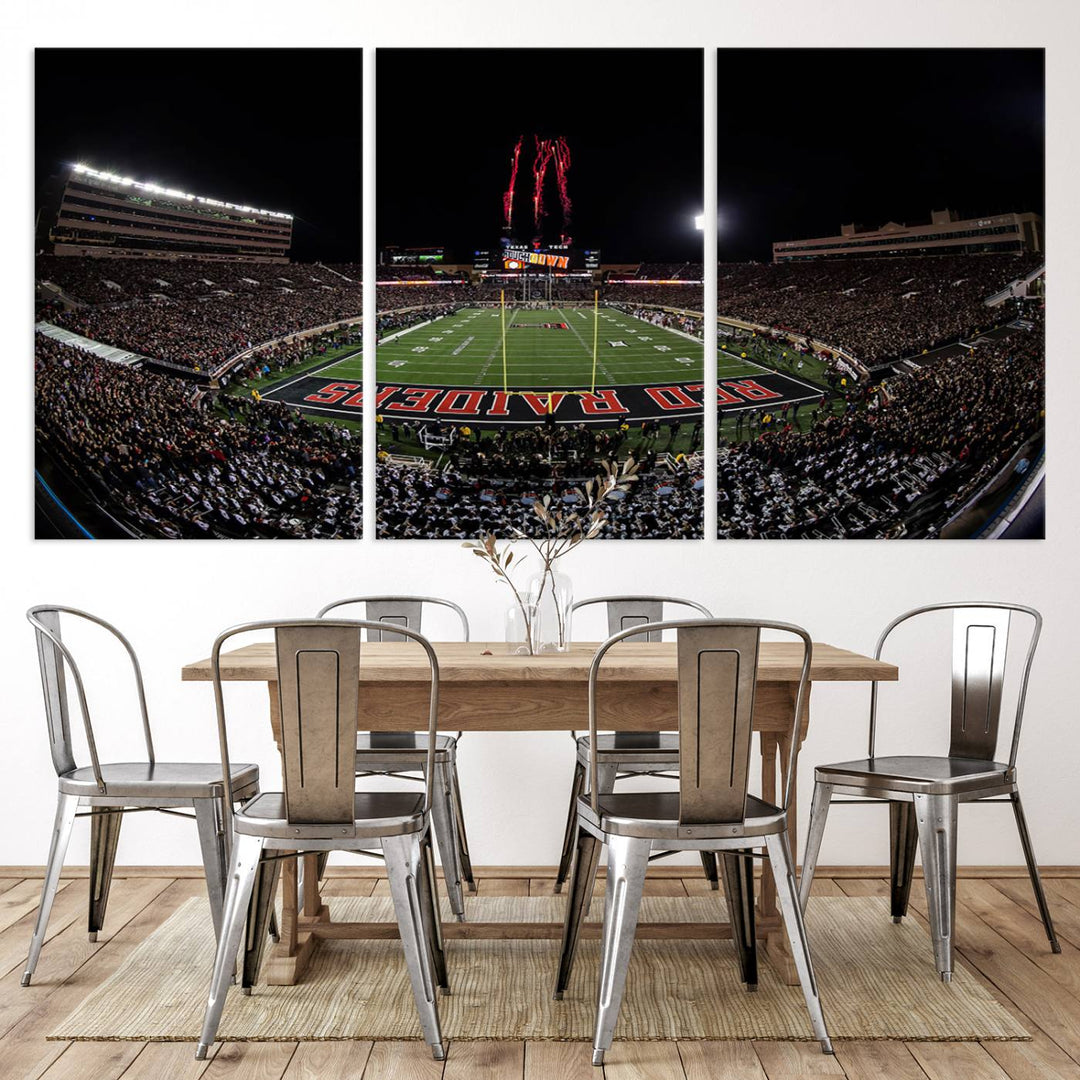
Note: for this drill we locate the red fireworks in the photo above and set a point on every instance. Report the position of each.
(544, 151)
(561, 153)
(547, 151)
(508, 195)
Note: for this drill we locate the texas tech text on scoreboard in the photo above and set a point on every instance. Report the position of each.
(104, 214)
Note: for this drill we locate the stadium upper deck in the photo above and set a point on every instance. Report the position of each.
(946, 234)
(101, 213)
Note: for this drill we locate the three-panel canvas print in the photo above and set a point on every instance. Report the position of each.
(545, 316)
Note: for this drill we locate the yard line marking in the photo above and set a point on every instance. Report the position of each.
(313, 371)
(720, 353)
(487, 363)
(588, 352)
(463, 345)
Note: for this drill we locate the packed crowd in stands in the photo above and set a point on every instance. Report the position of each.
(921, 443)
(487, 480)
(878, 310)
(396, 297)
(686, 297)
(111, 281)
(671, 271)
(415, 502)
(194, 313)
(135, 443)
(202, 334)
(352, 270)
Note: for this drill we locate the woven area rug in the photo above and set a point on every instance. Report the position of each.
(877, 981)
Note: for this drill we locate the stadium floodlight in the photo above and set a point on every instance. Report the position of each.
(155, 189)
(699, 221)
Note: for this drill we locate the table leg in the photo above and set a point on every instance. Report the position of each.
(289, 907)
(312, 900)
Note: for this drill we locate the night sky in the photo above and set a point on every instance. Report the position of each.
(810, 139)
(448, 121)
(277, 129)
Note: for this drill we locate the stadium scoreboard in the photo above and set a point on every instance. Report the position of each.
(394, 256)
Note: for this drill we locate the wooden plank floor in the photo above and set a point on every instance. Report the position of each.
(998, 935)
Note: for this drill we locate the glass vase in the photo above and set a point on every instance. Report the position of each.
(522, 625)
(553, 595)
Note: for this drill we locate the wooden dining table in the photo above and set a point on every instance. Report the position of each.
(484, 687)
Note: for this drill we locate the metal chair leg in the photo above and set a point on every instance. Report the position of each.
(628, 860)
(66, 806)
(246, 855)
(787, 897)
(212, 841)
(464, 858)
(815, 830)
(428, 891)
(606, 775)
(739, 893)
(936, 818)
(442, 821)
(566, 859)
(259, 912)
(104, 836)
(403, 869)
(712, 873)
(1033, 871)
(903, 841)
(582, 881)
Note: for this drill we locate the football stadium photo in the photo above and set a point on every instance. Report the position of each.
(539, 296)
(890, 276)
(183, 275)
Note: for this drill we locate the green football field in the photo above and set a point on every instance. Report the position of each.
(544, 348)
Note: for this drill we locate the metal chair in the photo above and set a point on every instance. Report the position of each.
(924, 793)
(627, 753)
(711, 811)
(110, 790)
(318, 663)
(402, 754)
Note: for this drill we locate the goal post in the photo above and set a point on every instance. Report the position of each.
(502, 319)
(595, 335)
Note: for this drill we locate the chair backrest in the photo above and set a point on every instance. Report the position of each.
(54, 659)
(624, 612)
(318, 674)
(404, 611)
(717, 678)
(980, 640)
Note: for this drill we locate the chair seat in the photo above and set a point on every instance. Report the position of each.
(655, 815)
(922, 775)
(163, 779)
(400, 745)
(633, 748)
(376, 813)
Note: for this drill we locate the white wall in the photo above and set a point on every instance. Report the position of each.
(172, 598)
